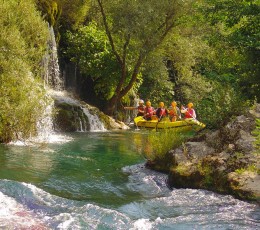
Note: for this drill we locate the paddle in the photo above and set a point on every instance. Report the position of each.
(159, 119)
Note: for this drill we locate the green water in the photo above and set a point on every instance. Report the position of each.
(98, 181)
(86, 168)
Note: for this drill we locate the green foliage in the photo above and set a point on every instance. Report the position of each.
(207, 172)
(236, 31)
(163, 141)
(51, 12)
(89, 48)
(22, 40)
(182, 169)
(220, 105)
(74, 12)
(23, 17)
(142, 20)
(225, 69)
(213, 45)
(251, 168)
(135, 30)
(63, 15)
(156, 85)
(50, 9)
(186, 49)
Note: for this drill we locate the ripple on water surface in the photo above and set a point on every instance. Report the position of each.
(94, 182)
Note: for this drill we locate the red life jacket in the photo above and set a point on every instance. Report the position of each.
(149, 110)
(163, 112)
(141, 108)
(173, 112)
(190, 113)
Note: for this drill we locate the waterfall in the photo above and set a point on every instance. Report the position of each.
(45, 125)
(51, 74)
(81, 116)
(131, 114)
(84, 119)
(94, 121)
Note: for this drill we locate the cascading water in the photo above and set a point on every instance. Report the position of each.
(51, 75)
(80, 112)
(94, 122)
(131, 114)
(85, 120)
(45, 125)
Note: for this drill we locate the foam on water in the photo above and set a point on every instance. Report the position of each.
(142, 224)
(50, 139)
(150, 204)
(52, 211)
(25, 204)
(14, 215)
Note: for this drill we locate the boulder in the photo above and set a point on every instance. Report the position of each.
(198, 150)
(76, 115)
(245, 142)
(225, 160)
(245, 185)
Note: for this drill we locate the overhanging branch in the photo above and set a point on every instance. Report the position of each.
(109, 35)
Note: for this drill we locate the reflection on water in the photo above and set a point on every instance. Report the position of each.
(98, 181)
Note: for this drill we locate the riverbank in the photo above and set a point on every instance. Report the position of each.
(224, 161)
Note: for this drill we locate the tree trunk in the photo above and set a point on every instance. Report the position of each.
(111, 105)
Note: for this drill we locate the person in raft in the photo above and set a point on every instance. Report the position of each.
(174, 112)
(189, 112)
(148, 111)
(140, 108)
(161, 112)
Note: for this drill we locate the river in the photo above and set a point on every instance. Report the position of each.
(97, 180)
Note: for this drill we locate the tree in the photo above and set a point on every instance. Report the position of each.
(134, 30)
(50, 10)
(89, 49)
(157, 85)
(23, 43)
(238, 32)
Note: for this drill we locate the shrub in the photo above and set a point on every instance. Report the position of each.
(163, 141)
(22, 96)
(218, 107)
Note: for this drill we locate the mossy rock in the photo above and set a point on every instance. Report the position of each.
(245, 185)
(65, 121)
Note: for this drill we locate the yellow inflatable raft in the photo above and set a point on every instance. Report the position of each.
(182, 125)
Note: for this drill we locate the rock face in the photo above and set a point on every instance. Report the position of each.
(75, 115)
(225, 160)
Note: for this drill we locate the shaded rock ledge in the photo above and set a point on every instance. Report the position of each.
(73, 115)
(225, 161)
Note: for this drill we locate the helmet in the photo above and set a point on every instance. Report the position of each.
(161, 104)
(190, 105)
(174, 103)
(148, 103)
(141, 101)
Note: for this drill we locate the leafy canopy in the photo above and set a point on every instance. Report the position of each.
(90, 49)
